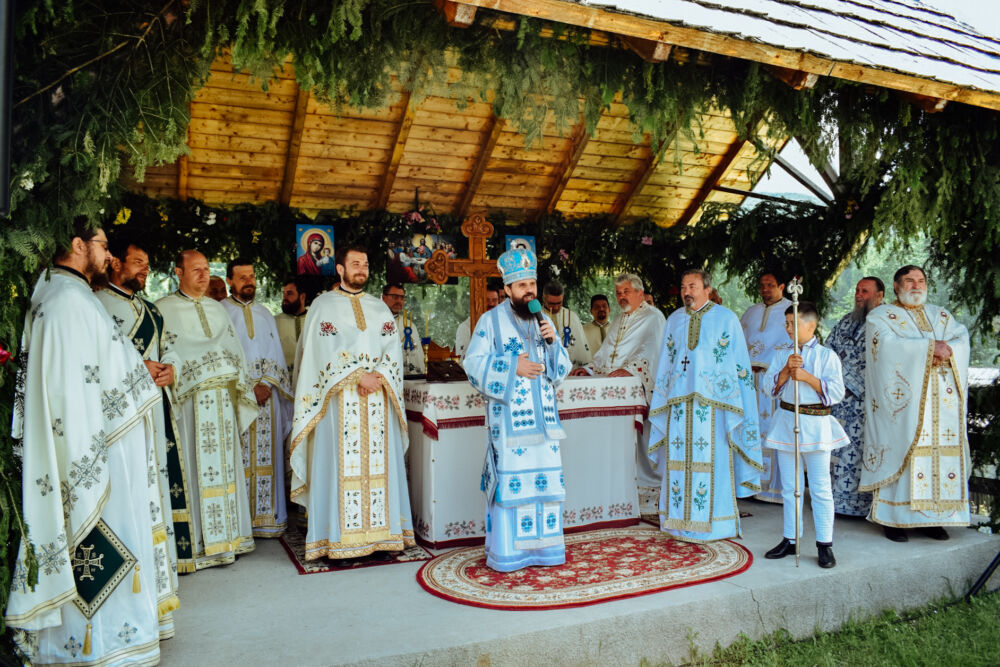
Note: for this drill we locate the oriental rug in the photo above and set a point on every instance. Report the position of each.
(294, 542)
(601, 566)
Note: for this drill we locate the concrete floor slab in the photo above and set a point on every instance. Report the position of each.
(260, 611)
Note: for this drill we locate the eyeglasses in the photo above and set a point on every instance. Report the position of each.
(103, 242)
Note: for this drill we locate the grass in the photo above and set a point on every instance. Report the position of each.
(959, 634)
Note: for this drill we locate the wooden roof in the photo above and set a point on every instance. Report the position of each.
(247, 145)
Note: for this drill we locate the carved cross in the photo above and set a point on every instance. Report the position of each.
(478, 267)
(685, 363)
(87, 562)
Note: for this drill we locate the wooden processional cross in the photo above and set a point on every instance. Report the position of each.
(478, 267)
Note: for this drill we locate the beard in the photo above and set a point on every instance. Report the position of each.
(520, 308)
(290, 308)
(355, 281)
(97, 271)
(625, 306)
(100, 279)
(247, 293)
(688, 300)
(913, 297)
(134, 284)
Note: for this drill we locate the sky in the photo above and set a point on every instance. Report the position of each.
(982, 15)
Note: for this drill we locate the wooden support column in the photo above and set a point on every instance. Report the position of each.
(398, 144)
(294, 143)
(713, 180)
(182, 167)
(485, 151)
(568, 164)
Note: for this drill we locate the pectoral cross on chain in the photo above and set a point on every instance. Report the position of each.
(684, 363)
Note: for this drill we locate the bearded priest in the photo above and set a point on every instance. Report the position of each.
(83, 411)
(264, 441)
(916, 454)
(213, 405)
(349, 431)
(705, 441)
(517, 362)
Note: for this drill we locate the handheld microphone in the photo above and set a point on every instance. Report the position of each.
(535, 309)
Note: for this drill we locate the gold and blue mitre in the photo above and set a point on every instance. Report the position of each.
(517, 264)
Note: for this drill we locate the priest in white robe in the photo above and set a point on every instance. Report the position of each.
(464, 331)
(294, 306)
(141, 322)
(597, 329)
(916, 454)
(213, 405)
(349, 431)
(764, 329)
(83, 412)
(517, 363)
(632, 347)
(394, 297)
(264, 441)
(705, 441)
(567, 323)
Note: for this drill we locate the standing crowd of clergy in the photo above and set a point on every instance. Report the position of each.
(164, 438)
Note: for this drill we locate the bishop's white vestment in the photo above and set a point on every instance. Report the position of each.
(522, 476)
(84, 410)
(764, 330)
(213, 406)
(347, 449)
(264, 441)
(570, 333)
(916, 454)
(705, 440)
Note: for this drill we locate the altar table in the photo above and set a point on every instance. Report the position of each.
(602, 418)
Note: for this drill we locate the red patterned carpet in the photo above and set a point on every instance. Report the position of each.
(601, 565)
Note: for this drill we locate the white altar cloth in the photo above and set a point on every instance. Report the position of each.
(602, 418)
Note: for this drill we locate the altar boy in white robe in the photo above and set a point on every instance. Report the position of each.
(349, 432)
(83, 410)
(821, 384)
(517, 362)
(264, 441)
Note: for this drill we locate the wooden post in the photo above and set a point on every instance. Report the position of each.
(478, 267)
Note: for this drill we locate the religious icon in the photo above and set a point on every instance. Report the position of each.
(520, 242)
(407, 256)
(314, 246)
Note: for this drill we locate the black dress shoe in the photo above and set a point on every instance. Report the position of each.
(934, 532)
(785, 548)
(895, 534)
(826, 558)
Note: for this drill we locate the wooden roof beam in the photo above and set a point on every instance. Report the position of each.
(806, 182)
(485, 151)
(579, 140)
(796, 79)
(637, 183)
(620, 23)
(648, 49)
(398, 145)
(712, 181)
(765, 197)
(925, 103)
(294, 143)
(457, 15)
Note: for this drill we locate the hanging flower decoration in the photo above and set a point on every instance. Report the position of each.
(4, 355)
(646, 240)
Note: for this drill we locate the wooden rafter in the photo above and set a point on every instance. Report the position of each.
(457, 15)
(568, 164)
(822, 166)
(712, 180)
(796, 79)
(398, 145)
(925, 103)
(563, 11)
(485, 151)
(806, 182)
(765, 197)
(637, 183)
(649, 50)
(294, 143)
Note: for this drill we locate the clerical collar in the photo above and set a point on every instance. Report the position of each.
(118, 291)
(237, 301)
(189, 298)
(72, 272)
(908, 307)
(700, 309)
(341, 288)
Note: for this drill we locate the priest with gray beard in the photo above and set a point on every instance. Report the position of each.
(847, 339)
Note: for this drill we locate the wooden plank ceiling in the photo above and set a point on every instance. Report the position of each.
(247, 145)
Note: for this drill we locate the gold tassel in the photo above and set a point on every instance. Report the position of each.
(136, 583)
(86, 641)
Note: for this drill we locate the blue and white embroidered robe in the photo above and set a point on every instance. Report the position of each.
(847, 339)
(705, 441)
(522, 476)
